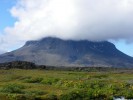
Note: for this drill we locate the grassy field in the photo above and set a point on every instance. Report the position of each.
(17, 84)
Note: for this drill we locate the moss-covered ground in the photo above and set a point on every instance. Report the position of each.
(18, 84)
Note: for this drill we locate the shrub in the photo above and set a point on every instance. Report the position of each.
(33, 80)
(74, 95)
(12, 88)
(100, 76)
(16, 97)
(50, 97)
(100, 94)
(35, 92)
(50, 81)
(97, 84)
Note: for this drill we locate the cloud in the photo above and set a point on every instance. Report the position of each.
(71, 19)
(2, 51)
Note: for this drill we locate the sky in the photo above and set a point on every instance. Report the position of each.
(94, 20)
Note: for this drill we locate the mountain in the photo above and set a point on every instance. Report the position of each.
(57, 52)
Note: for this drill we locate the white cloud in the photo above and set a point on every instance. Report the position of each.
(2, 44)
(2, 52)
(71, 19)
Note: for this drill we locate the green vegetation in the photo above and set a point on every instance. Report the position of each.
(20, 84)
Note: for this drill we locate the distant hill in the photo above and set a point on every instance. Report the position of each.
(57, 52)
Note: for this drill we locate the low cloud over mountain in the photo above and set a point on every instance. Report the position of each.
(70, 19)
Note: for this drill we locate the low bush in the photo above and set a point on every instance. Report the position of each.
(33, 80)
(100, 76)
(35, 92)
(16, 97)
(75, 95)
(49, 97)
(12, 88)
(50, 81)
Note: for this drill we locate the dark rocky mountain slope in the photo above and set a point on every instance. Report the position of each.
(58, 52)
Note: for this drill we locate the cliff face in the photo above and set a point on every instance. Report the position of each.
(57, 52)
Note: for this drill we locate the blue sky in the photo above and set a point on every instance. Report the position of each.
(6, 20)
(125, 47)
(5, 17)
